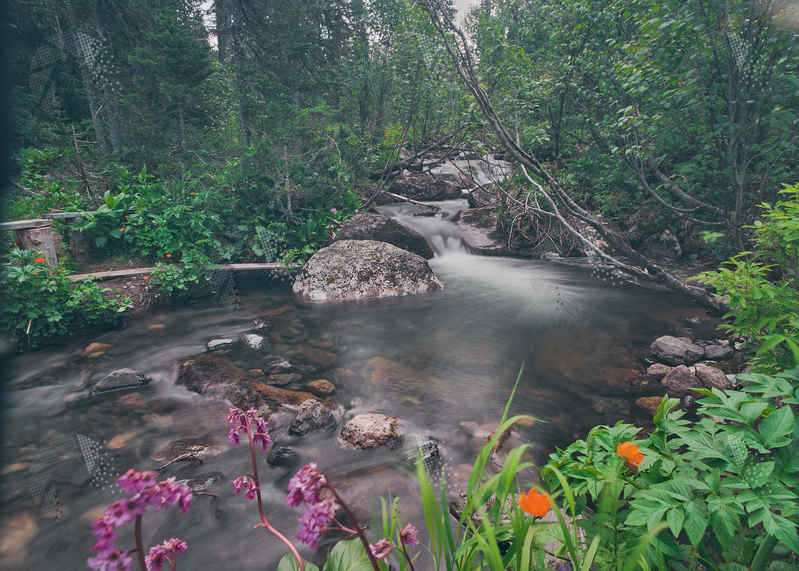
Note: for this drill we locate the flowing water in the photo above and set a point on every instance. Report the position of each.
(452, 357)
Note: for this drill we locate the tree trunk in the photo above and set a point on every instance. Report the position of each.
(223, 29)
(88, 85)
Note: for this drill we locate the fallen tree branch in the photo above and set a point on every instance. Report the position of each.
(460, 53)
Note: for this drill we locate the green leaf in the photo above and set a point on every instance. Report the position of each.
(348, 555)
(289, 563)
(758, 474)
(775, 426)
(675, 518)
(696, 522)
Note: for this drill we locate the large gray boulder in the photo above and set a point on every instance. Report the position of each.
(363, 269)
(676, 350)
(381, 228)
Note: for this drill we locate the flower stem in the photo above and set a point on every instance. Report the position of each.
(265, 522)
(407, 557)
(358, 529)
(139, 544)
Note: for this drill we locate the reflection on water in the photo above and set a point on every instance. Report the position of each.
(434, 361)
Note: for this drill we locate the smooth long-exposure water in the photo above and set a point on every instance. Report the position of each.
(452, 357)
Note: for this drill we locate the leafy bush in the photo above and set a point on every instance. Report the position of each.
(762, 286)
(41, 303)
(37, 191)
(720, 492)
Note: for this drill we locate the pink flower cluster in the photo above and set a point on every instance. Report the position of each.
(146, 493)
(160, 554)
(247, 484)
(381, 549)
(251, 423)
(305, 486)
(409, 535)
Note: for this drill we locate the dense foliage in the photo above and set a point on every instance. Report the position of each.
(41, 303)
(762, 285)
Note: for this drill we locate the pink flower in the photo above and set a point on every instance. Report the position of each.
(381, 549)
(111, 561)
(304, 486)
(159, 554)
(333, 211)
(409, 535)
(248, 484)
(124, 510)
(133, 481)
(314, 521)
(241, 421)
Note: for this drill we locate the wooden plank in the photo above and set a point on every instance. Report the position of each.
(111, 274)
(65, 215)
(139, 271)
(25, 224)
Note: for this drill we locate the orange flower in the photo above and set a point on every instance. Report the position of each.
(122, 229)
(35, 274)
(535, 503)
(630, 453)
(145, 278)
(39, 260)
(126, 216)
(169, 255)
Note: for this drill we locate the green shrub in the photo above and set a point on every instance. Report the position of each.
(720, 491)
(762, 286)
(41, 303)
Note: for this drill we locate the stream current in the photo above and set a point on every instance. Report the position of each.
(454, 356)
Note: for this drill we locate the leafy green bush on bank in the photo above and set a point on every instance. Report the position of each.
(41, 303)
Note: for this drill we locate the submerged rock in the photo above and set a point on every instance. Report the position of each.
(363, 269)
(312, 415)
(282, 456)
(321, 387)
(217, 344)
(283, 379)
(216, 376)
(676, 350)
(253, 341)
(381, 228)
(121, 379)
(371, 430)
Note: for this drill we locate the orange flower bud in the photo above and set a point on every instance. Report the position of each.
(535, 503)
(122, 229)
(39, 260)
(630, 452)
(169, 255)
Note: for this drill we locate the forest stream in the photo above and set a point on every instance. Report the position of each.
(452, 357)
